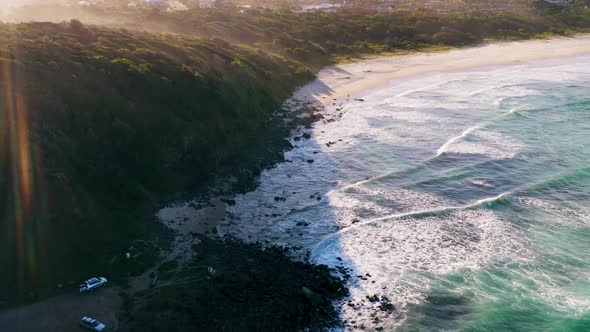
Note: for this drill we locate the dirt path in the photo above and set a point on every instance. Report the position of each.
(63, 313)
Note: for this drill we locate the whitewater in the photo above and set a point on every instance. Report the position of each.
(462, 197)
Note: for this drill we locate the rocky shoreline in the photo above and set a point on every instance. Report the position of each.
(213, 282)
(234, 286)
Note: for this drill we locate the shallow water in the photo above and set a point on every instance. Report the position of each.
(464, 196)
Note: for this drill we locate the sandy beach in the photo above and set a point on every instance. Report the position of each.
(349, 79)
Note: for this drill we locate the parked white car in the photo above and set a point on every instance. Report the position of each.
(92, 284)
(91, 324)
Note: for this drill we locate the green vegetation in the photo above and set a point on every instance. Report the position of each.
(309, 35)
(316, 37)
(119, 123)
(100, 126)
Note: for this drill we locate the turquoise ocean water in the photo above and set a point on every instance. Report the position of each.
(463, 197)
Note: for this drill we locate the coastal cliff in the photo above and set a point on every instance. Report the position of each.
(102, 126)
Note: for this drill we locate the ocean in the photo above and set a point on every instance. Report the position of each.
(463, 198)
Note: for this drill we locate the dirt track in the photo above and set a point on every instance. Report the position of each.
(62, 313)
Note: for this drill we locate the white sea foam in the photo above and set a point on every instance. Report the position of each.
(416, 213)
(494, 145)
(560, 214)
(404, 256)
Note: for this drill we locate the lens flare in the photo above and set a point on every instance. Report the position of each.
(18, 171)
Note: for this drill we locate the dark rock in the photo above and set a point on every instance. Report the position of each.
(311, 161)
(302, 223)
(229, 202)
(388, 307)
(306, 135)
(373, 298)
(280, 199)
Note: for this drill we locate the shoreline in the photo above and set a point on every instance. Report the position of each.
(349, 79)
(337, 83)
(353, 79)
(188, 218)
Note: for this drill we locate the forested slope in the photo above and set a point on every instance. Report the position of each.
(101, 126)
